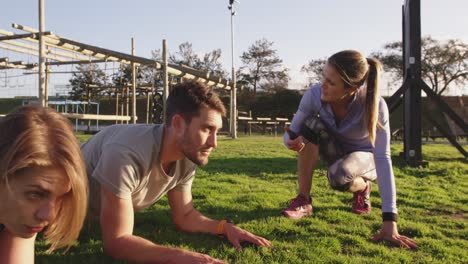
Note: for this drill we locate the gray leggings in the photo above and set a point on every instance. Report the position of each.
(355, 164)
(343, 168)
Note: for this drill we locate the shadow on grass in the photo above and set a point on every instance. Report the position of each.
(447, 159)
(252, 166)
(400, 162)
(160, 218)
(155, 225)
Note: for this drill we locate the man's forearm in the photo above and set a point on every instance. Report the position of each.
(194, 221)
(137, 249)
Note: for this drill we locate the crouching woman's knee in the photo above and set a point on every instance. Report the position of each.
(338, 177)
(340, 185)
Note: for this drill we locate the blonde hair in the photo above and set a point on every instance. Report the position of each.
(35, 137)
(356, 70)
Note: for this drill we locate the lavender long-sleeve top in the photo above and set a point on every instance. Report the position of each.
(351, 133)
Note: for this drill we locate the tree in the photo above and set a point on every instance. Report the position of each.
(443, 63)
(123, 76)
(314, 71)
(210, 63)
(186, 56)
(261, 63)
(275, 85)
(85, 81)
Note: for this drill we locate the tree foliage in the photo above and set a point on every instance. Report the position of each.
(85, 82)
(443, 63)
(314, 69)
(123, 77)
(210, 62)
(185, 55)
(275, 85)
(262, 64)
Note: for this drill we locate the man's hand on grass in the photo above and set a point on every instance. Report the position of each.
(194, 258)
(236, 235)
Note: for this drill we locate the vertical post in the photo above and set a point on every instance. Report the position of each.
(116, 106)
(233, 74)
(42, 100)
(127, 102)
(148, 95)
(134, 73)
(46, 86)
(76, 112)
(250, 124)
(412, 102)
(97, 119)
(88, 105)
(122, 104)
(165, 80)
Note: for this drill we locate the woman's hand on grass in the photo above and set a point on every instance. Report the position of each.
(390, 233)
(236, 235)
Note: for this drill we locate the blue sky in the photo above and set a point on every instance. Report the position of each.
(300, 29)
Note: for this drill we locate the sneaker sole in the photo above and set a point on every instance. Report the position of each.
(296, 217)
(361, 212)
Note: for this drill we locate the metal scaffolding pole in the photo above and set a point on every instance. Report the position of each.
(233, 107)
(42, 77)
(165, 80)
(134, 73)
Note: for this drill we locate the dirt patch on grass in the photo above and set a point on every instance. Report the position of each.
(458, 216)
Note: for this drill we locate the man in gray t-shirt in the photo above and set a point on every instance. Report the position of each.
(130, 167)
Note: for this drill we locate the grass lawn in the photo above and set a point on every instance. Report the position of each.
(251, 179)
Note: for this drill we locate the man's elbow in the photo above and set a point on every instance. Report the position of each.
(179, 223)
(114, 247)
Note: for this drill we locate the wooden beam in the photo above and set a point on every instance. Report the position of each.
(23, 36)
(55, 53)
(96, 117)
(111, 55)
(57, 63)
(19, 36)
(8, 65)
(54, 40)
(203, 76)
(25, 51)
(18, 62)
(52, 72)
(8, 33)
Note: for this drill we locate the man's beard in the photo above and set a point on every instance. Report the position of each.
(194, 157)
(191, 153)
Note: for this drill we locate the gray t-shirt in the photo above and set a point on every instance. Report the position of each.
(124, 159)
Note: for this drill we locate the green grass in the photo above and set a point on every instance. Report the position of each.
(251, 179)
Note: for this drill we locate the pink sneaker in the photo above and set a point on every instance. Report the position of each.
(298, 207)
(362, 203)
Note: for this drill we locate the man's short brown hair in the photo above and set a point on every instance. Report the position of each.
(189, 97)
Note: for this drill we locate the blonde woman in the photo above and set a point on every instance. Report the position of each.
(43, 183)
(346, 122)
